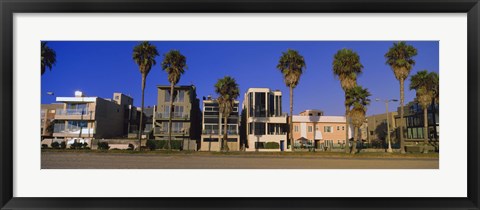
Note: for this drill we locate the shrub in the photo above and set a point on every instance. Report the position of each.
(103, 146)
(272, 145)
(55, 145)
(151, 144)
(131, 147)
(63, 145)
(44, 146)
(78, 145)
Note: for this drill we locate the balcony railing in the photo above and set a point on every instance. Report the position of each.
(174, 131)
(175, 115)
(84, 112)
(230, 132)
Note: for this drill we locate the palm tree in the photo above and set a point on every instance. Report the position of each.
(425, 85)
(144, 56)
(228, 91)
(400, 58)
(357, 99)
(346, 68)
(49, 57)
(174, 63)
(292, 65)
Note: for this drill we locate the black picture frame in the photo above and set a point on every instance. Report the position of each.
(10, 7)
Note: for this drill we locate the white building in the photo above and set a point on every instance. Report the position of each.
(266, 125)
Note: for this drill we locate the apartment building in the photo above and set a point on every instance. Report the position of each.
(311, 112)
(266, 124)
(91, 117)
(413, 121)
(319, 131)
(213, 124)
(186, 118)
(47, 119)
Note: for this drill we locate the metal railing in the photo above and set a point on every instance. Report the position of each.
(176, 115)
(165, 131)
(84, 112)
(230, 132)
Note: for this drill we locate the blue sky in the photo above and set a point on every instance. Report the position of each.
(99, 68)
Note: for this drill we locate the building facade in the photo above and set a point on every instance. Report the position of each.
(320, 132)
(213, 127)
(413, 121)
(311, 112)
(47, 119)
(266, 124)
(377, 129)
(91, 117)
(186, 118)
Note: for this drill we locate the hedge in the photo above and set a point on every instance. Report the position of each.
(272, 145)
(160, 144)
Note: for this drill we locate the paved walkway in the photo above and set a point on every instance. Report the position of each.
(71, 160)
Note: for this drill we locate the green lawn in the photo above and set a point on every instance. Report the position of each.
(257, 154)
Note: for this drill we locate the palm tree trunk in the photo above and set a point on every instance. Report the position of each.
(402, 122)
(433, 119)
(291, 119)
(225, 135)
(354, 145)
(425, 129)
(169, 145)
(347, 140)
(144, 78)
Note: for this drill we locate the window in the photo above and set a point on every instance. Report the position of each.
(179, 96)
(310, 129)
(371, 133)
(296, 128)
(338, 128)
(259, 128)
(117, 97)
(343, 128)
(250, 128)
(327, 129)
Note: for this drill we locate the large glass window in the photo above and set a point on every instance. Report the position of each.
(259, 128)
(179, 97)
(260, 105)
(327, 129)
(271, 105)
(250, 104)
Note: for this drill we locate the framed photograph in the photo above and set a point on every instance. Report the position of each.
(239, 105)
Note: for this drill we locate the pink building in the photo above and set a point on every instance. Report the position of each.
(319, 131)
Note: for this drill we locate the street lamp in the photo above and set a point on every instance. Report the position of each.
(389, 150)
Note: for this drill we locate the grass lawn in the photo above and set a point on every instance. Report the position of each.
(259, 154)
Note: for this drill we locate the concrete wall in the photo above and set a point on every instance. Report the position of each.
(109, 119)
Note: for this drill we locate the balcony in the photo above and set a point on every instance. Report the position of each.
(160, 131)
(72, 131)
(214, 132)
(175, 115)
(74, 114)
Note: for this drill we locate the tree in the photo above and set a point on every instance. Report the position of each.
(48, 56)
(228, 91)
(346, 68)
(291, 65)
(175, 64)
(425, 85)
(357, 99)
(144, 56)
(400, 59)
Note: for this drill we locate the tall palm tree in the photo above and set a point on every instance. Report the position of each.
(174, 63)
(424, 84)
(292, 65)
(400, 59)
(228, 91)
(346, 68)
(49, 57)
(357, 99)
(144, 56)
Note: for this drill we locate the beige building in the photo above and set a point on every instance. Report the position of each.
(319, 131)
(377, 129)
(47, 119)
(213, 127)
(186, 119)
(85, 118)
(266, 125)
(311, 112)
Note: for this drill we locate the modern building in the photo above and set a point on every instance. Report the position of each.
(91, 117)
(266, 124)
(377, 129)
(47, 119)
(186, 119)
(413, 121)
(320, 132)
(213, 125)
